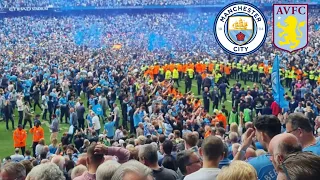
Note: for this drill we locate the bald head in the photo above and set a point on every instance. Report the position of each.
(281, 146)
(59, 161)
(250, 153)
(248, 125)
(286, 143)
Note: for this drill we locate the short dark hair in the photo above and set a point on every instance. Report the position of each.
(302, 166)
(96, 158)
(268, 124)
(191, 139)
(167, 146)
(212, 148)
(162, 138)
(299, 120)
(225, 150)
(169, 162)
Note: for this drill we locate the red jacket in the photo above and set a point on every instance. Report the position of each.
(275, 108)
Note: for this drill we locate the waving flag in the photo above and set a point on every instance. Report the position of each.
(277, 89)
(97, 109)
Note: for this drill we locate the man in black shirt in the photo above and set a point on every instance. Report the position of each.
(148, 156)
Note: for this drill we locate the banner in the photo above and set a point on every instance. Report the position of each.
(14, 9)
(277, 89)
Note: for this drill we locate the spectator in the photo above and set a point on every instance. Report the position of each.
(17, 157)
(281, 146)
(238, 170)
(78, 171)
(225, 161)
(300, 126)
(93, 162)
(53, 147)
(300, 166)
(13, 170)
(40, 146)
(48, 171)
(149, 157)
(211, 150)
(107, 169)
(27, 165)
(267, 127)
(132, 170)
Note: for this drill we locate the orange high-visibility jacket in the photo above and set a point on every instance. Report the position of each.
(210, 67)
(179, 67)
(19, 138)
(227, 70)
(198, 67)
(156, 69)
(38, 133)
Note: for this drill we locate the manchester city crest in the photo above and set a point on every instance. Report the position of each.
(240, 28)
(290, 26)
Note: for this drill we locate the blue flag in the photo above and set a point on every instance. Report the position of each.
(97, 109)
(277, 89)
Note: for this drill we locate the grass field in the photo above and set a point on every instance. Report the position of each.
(6, 141)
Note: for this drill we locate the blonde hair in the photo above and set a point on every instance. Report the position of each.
(54, 142)
(42, 142)
(234, 127)
(238, 170)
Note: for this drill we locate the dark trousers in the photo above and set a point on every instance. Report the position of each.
(34, 144)
(27, 99)
(50, 115)
(25, 123)
(20, 117)
(255, 76)
(206, 105)
(132, 128)
(36, 103)
(7, 118)
(288, 83)
(70, 136)
(117, 122)
(177, 82)
(215, 105)
(98, 131)
(245, 77)
(13, 105)
(199, 88)
(188, 87)
(64, 112)
(125, 120)
(81, 122)
(224, 96)
(44, 116)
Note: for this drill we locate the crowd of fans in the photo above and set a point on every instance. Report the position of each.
(115, 81)
(119, 3)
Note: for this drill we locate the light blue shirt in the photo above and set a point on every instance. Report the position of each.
(109, 127)
(315, 149)
(264, 167)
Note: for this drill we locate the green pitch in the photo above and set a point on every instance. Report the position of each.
(6, 140)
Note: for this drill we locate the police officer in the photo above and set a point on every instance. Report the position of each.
(168, 75)
(255, 73)
(175, 76)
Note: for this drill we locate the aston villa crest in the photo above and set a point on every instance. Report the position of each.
(290, 26)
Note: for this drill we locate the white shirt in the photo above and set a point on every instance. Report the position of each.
(10, 87)
(20, 105)
(96, 123)
(204, 174)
